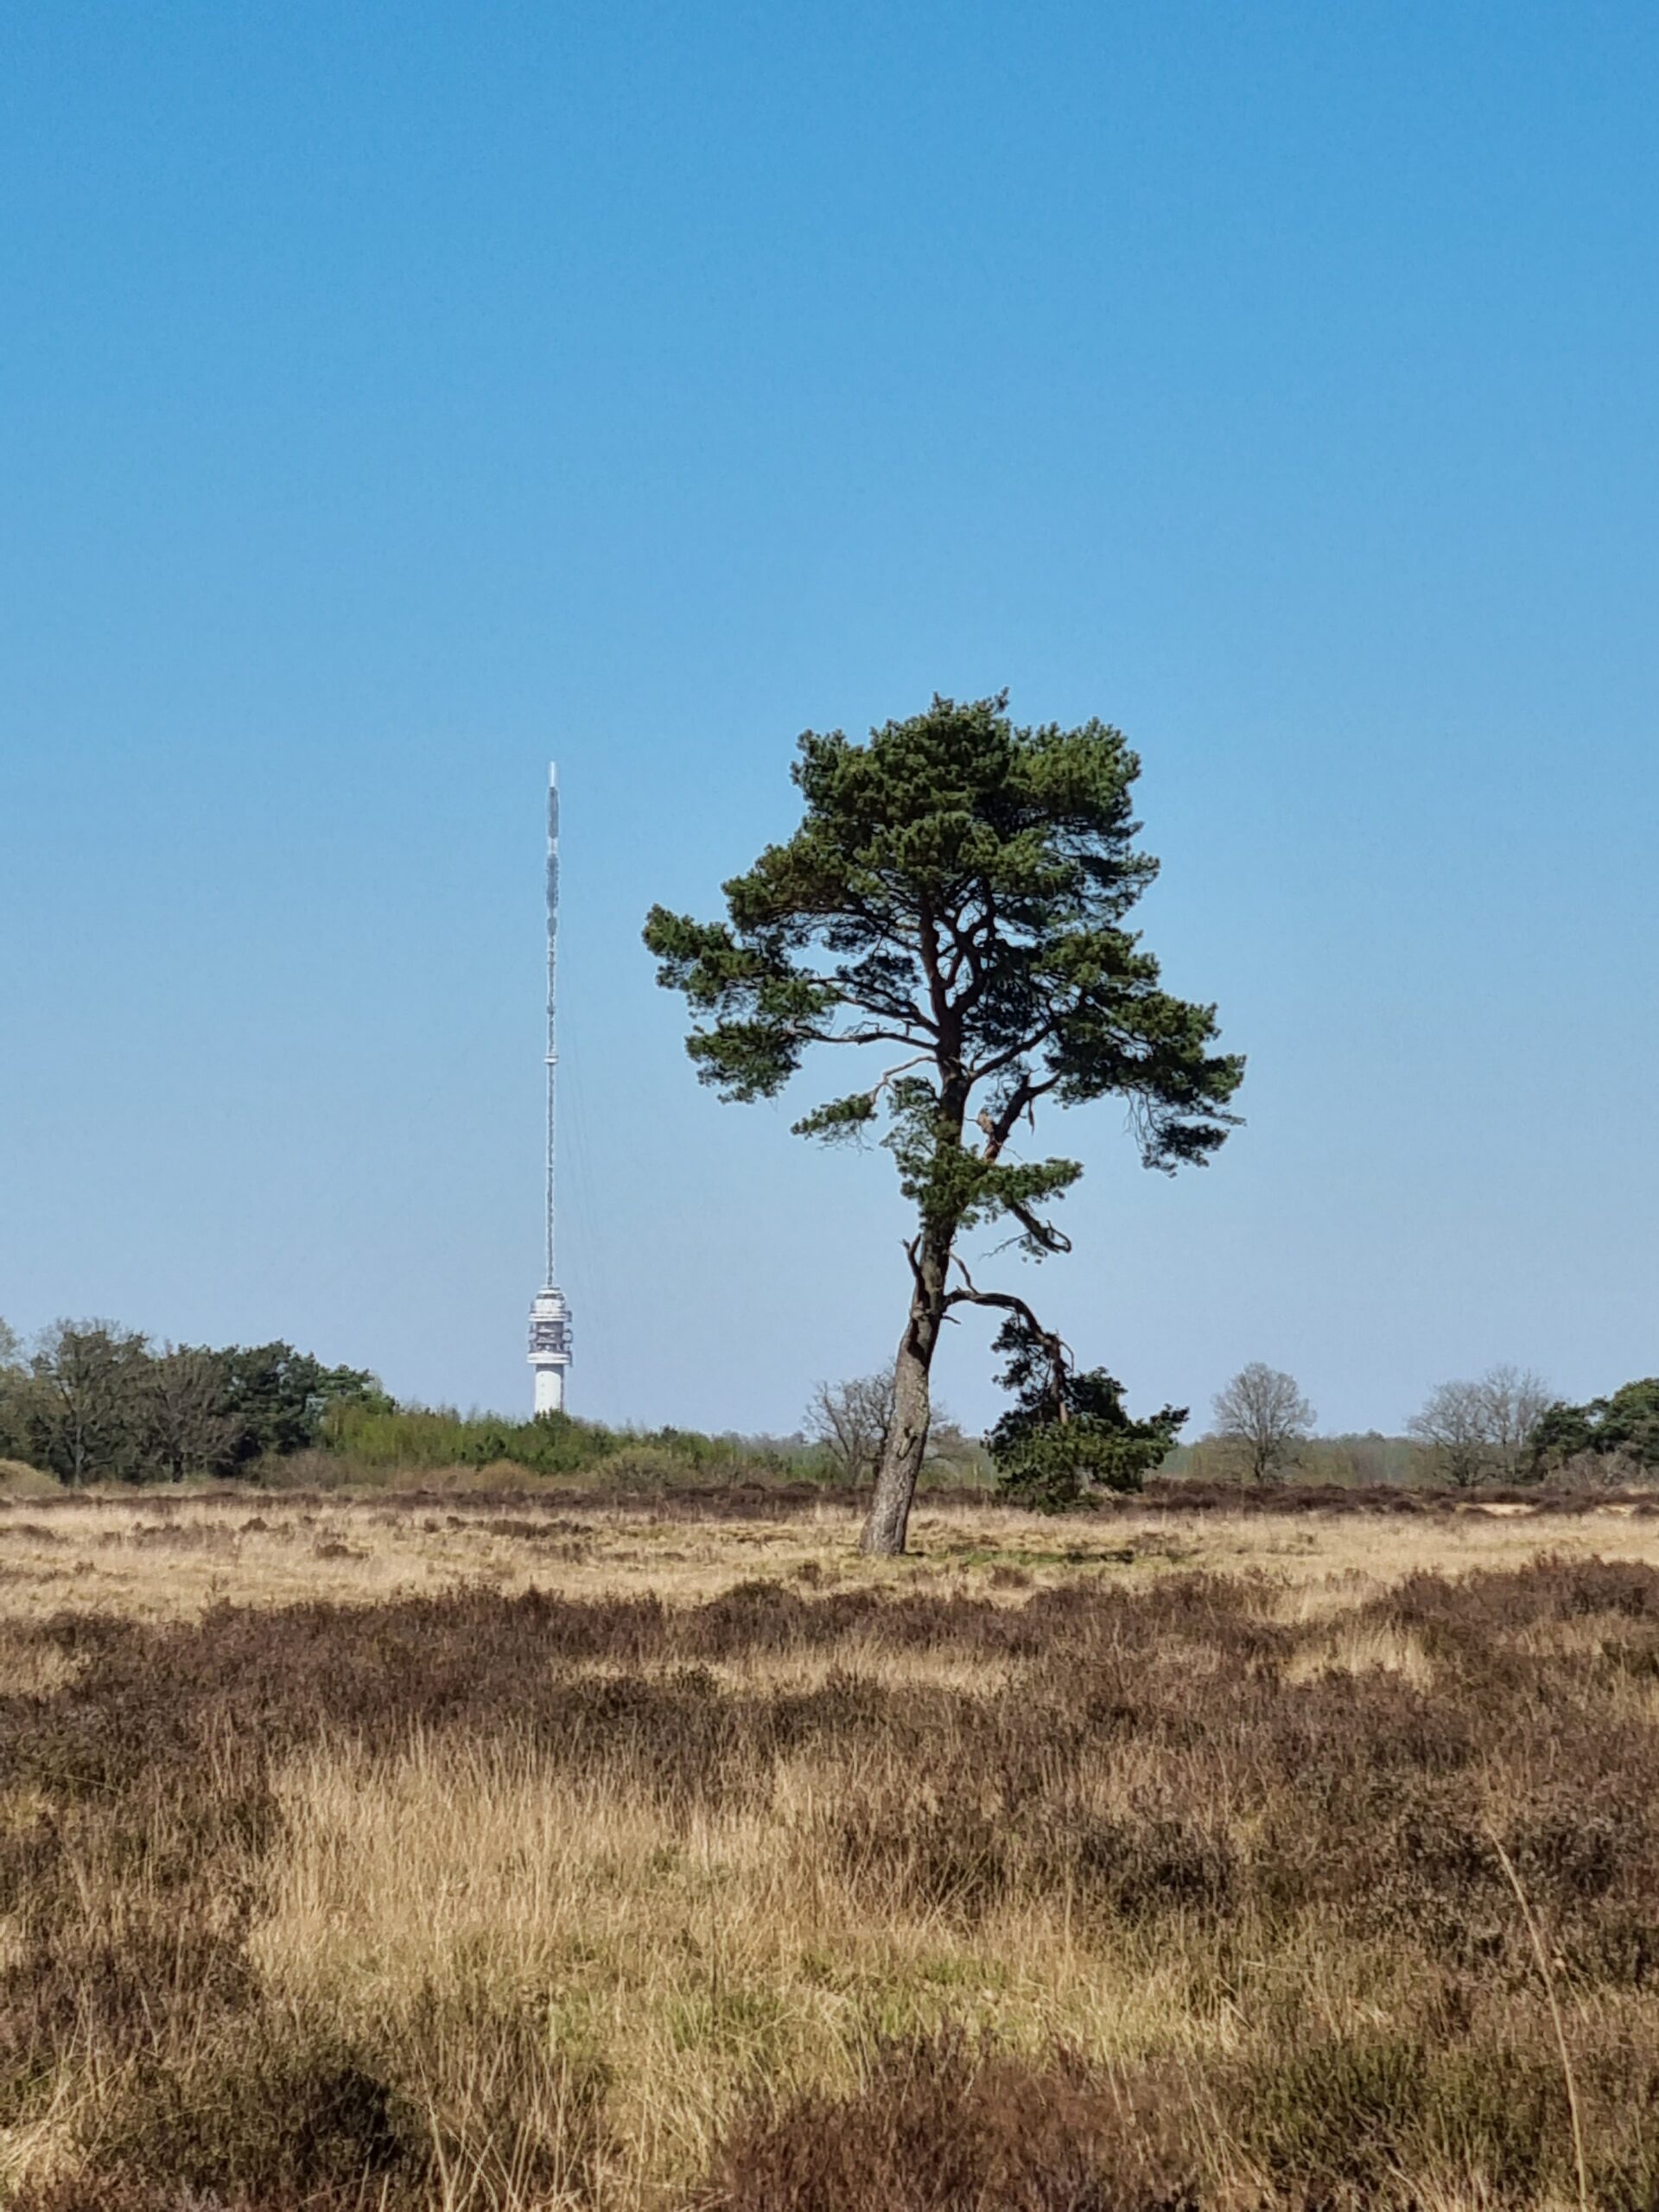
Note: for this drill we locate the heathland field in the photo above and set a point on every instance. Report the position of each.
(458, 1850)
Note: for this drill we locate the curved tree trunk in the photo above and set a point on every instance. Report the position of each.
(906, 1440)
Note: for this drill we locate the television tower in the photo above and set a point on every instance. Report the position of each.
(550, 1317)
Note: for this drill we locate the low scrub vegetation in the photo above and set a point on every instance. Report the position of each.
(93, 1402)
(370, 1440)
(1200, 1892)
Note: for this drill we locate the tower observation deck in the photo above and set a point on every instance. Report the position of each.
(550, 1315)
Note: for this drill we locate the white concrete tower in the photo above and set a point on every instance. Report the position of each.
(550, 1317)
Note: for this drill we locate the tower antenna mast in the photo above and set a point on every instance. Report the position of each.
(549, 1316)
(548, 1280)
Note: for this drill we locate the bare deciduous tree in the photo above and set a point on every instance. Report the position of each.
(1451, 1429)
(86, 1377)
(1517, 1400)
(1479, 1431)
(182, 1424)
(850, 1420)
(1263, 1414)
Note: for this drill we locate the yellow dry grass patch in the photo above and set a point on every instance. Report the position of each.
(19, 1479)
(1361, 1648)
(30, 1667)
(689, 1960)
(168, 1558)
(799, 1673)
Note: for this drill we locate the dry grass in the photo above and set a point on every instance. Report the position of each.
(702, 1863)
(160, 1556)
(1361, 1647)
(696, 1957)
(18, 1479)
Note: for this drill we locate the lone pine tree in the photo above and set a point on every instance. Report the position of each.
(958, 888)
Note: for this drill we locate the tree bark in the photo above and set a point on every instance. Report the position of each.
(906, 1446)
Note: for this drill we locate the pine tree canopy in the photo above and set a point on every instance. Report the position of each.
(1067, 1433)
(959, 888)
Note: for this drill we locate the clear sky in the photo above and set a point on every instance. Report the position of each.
(393, 397)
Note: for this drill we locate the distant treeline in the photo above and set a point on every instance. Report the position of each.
(1459, 1441)
(1622, 1428)
(93, 1402)
(1352, 1461)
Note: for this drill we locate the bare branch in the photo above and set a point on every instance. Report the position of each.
(1059, 1353)
(998, 1128)
(890, 1075)
(1041, 1232)
(996, 1064)
(871, 1037)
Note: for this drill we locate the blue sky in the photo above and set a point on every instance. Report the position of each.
(393, 398)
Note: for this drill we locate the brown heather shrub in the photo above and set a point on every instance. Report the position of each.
(266, 2116)
(942, 2126)
(190, 1537)
(1582, 1488)
(1254, 1856)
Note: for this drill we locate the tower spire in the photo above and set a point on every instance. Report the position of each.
(550, 1317)
(552, 1014)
